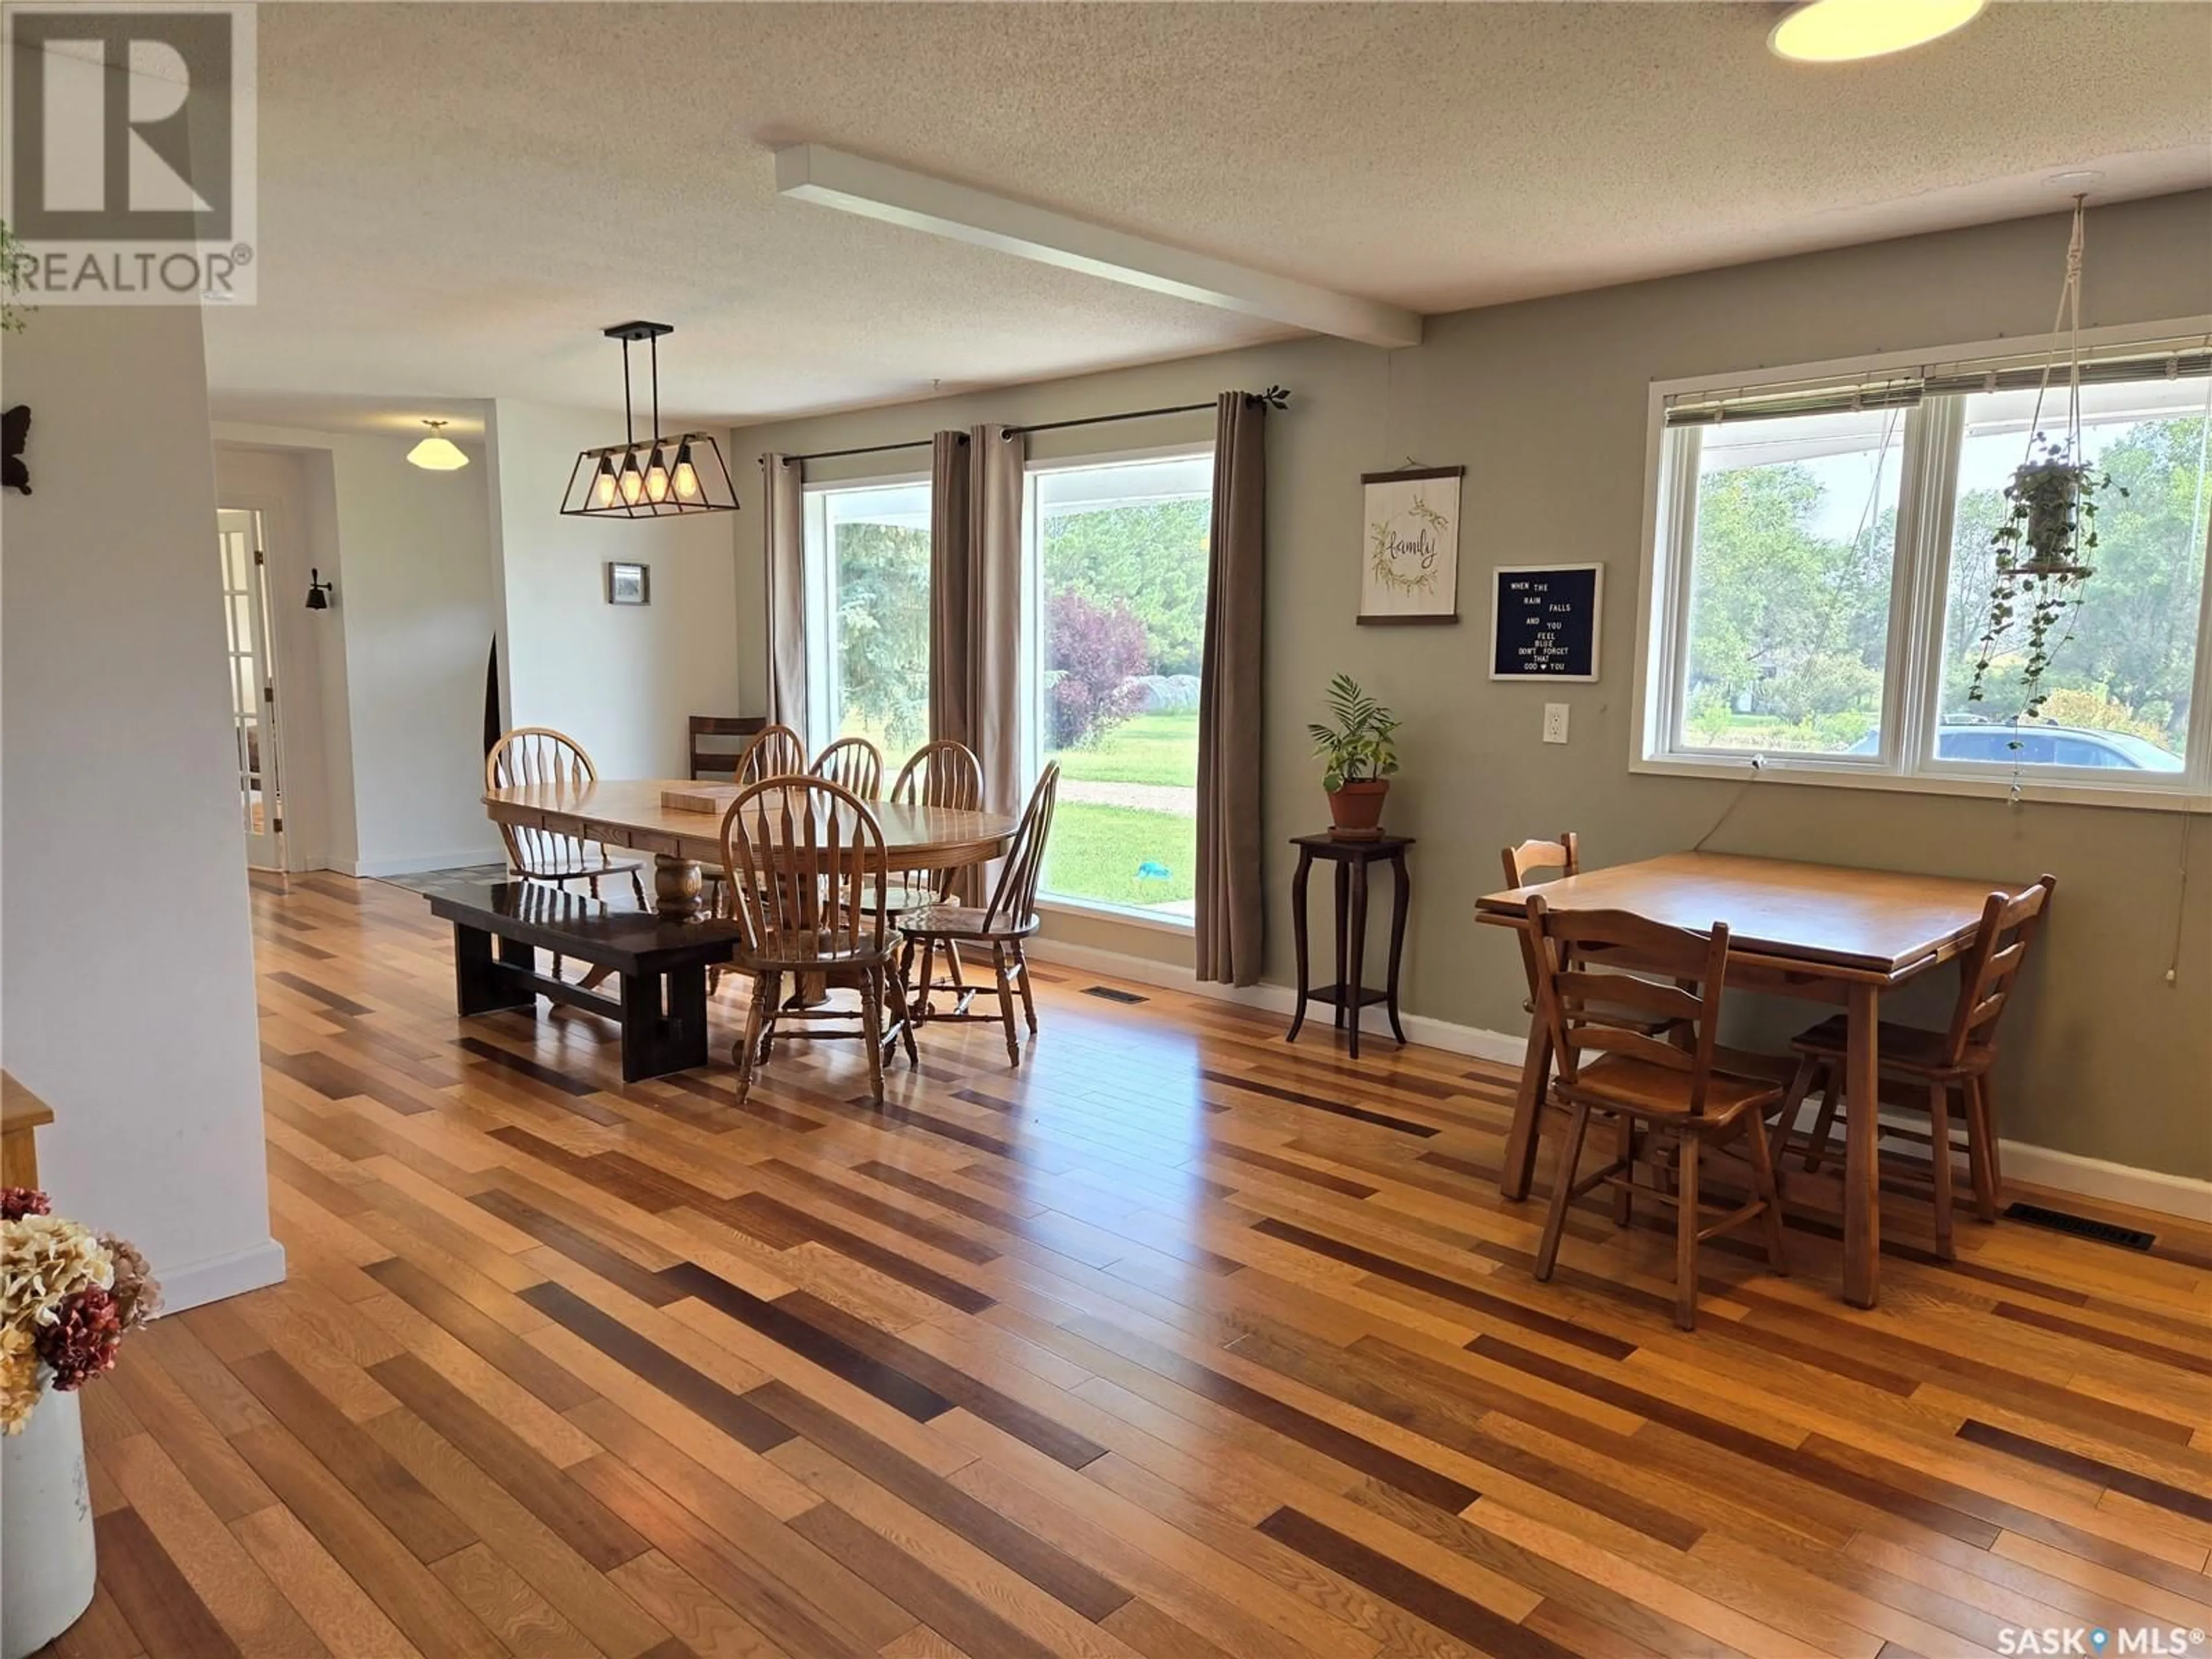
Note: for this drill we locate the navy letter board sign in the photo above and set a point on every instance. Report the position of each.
(1543, 621)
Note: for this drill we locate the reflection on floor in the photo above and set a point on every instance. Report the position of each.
(1180, 1343)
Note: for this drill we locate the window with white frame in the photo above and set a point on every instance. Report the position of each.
(1114, 626)
(1822, 566)
(867, 614)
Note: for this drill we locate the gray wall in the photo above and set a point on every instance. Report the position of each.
(1545, 404)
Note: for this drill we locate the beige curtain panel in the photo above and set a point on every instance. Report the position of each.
(783, 556)
(1231, 906)
(974, 601)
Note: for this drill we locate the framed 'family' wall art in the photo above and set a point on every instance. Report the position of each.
(1409, 556)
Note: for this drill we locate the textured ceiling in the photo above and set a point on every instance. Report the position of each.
(455, 198)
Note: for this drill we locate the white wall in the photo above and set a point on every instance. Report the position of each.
(414, 607)
(126, 967)
(620, 679)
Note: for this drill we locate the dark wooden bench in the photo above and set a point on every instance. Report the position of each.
(499, 927)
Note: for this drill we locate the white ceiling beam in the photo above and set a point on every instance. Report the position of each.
(877, 189)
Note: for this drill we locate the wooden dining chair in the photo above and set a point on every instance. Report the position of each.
(1524, 863)
(1669, 1090)
(805, 870)
(1955, 1060)
(777, 752)
(945, 773)
(1001, 926)
(538, 755)
(852, 764)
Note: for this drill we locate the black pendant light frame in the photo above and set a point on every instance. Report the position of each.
(600, 485)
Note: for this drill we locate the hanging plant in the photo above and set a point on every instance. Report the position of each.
(2042, 547)
(2041, 550)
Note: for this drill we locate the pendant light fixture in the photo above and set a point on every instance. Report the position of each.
(438, 453)
(653, 478)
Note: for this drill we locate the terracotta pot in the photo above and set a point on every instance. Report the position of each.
(1355, 810)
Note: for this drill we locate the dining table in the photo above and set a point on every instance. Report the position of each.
(635, 813)
(1819, 933)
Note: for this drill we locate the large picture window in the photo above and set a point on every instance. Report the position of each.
(1822, 571)
(1115, 622)
(867, 625)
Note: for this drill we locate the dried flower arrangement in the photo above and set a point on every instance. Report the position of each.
(67, 1296)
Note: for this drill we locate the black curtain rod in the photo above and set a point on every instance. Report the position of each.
(866, 449)
(1275, 396)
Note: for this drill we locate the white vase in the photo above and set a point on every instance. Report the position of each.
(46, 1527)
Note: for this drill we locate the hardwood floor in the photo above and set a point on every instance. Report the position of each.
(1178, 1343)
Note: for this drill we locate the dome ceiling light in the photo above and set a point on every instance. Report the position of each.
(1844, 30)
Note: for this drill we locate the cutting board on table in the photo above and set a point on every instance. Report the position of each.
(714, 798)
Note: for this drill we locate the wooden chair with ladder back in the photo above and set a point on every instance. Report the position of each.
(1001, 927)
(852, 764)
(1525, 866)
(709, 732)
(1671, 1090)
(1954, 1060)
(805, 874)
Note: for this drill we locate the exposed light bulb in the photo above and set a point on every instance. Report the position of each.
(1841, 30)
(602, 487)
(632, 482)
(656, 480)
(687, 476)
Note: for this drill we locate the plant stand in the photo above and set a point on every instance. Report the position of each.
(46, 1561)
(1349, 995)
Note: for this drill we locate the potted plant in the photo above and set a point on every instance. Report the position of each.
(2040, 548)
(67, 1296)
(1358, 757)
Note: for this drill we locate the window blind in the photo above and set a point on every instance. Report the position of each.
(1903, 388)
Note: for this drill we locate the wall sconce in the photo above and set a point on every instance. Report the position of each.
(319, 591)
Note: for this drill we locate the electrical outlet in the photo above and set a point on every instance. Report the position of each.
(1555, 722)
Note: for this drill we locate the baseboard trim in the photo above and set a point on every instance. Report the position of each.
(2041, 1166)
(1430, 1033)
(212, 1280)
(414, 864)
(2117, 1183)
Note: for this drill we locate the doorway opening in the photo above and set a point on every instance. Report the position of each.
(253, 704)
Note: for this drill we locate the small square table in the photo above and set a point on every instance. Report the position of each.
(1818, 932)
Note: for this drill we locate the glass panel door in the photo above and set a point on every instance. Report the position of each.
(253, 685)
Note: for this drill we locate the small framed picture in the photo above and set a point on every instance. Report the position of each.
(630, 584)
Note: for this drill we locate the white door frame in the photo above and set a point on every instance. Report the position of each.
(250, 657)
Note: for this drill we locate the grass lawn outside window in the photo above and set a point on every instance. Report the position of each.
(1126, 833)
